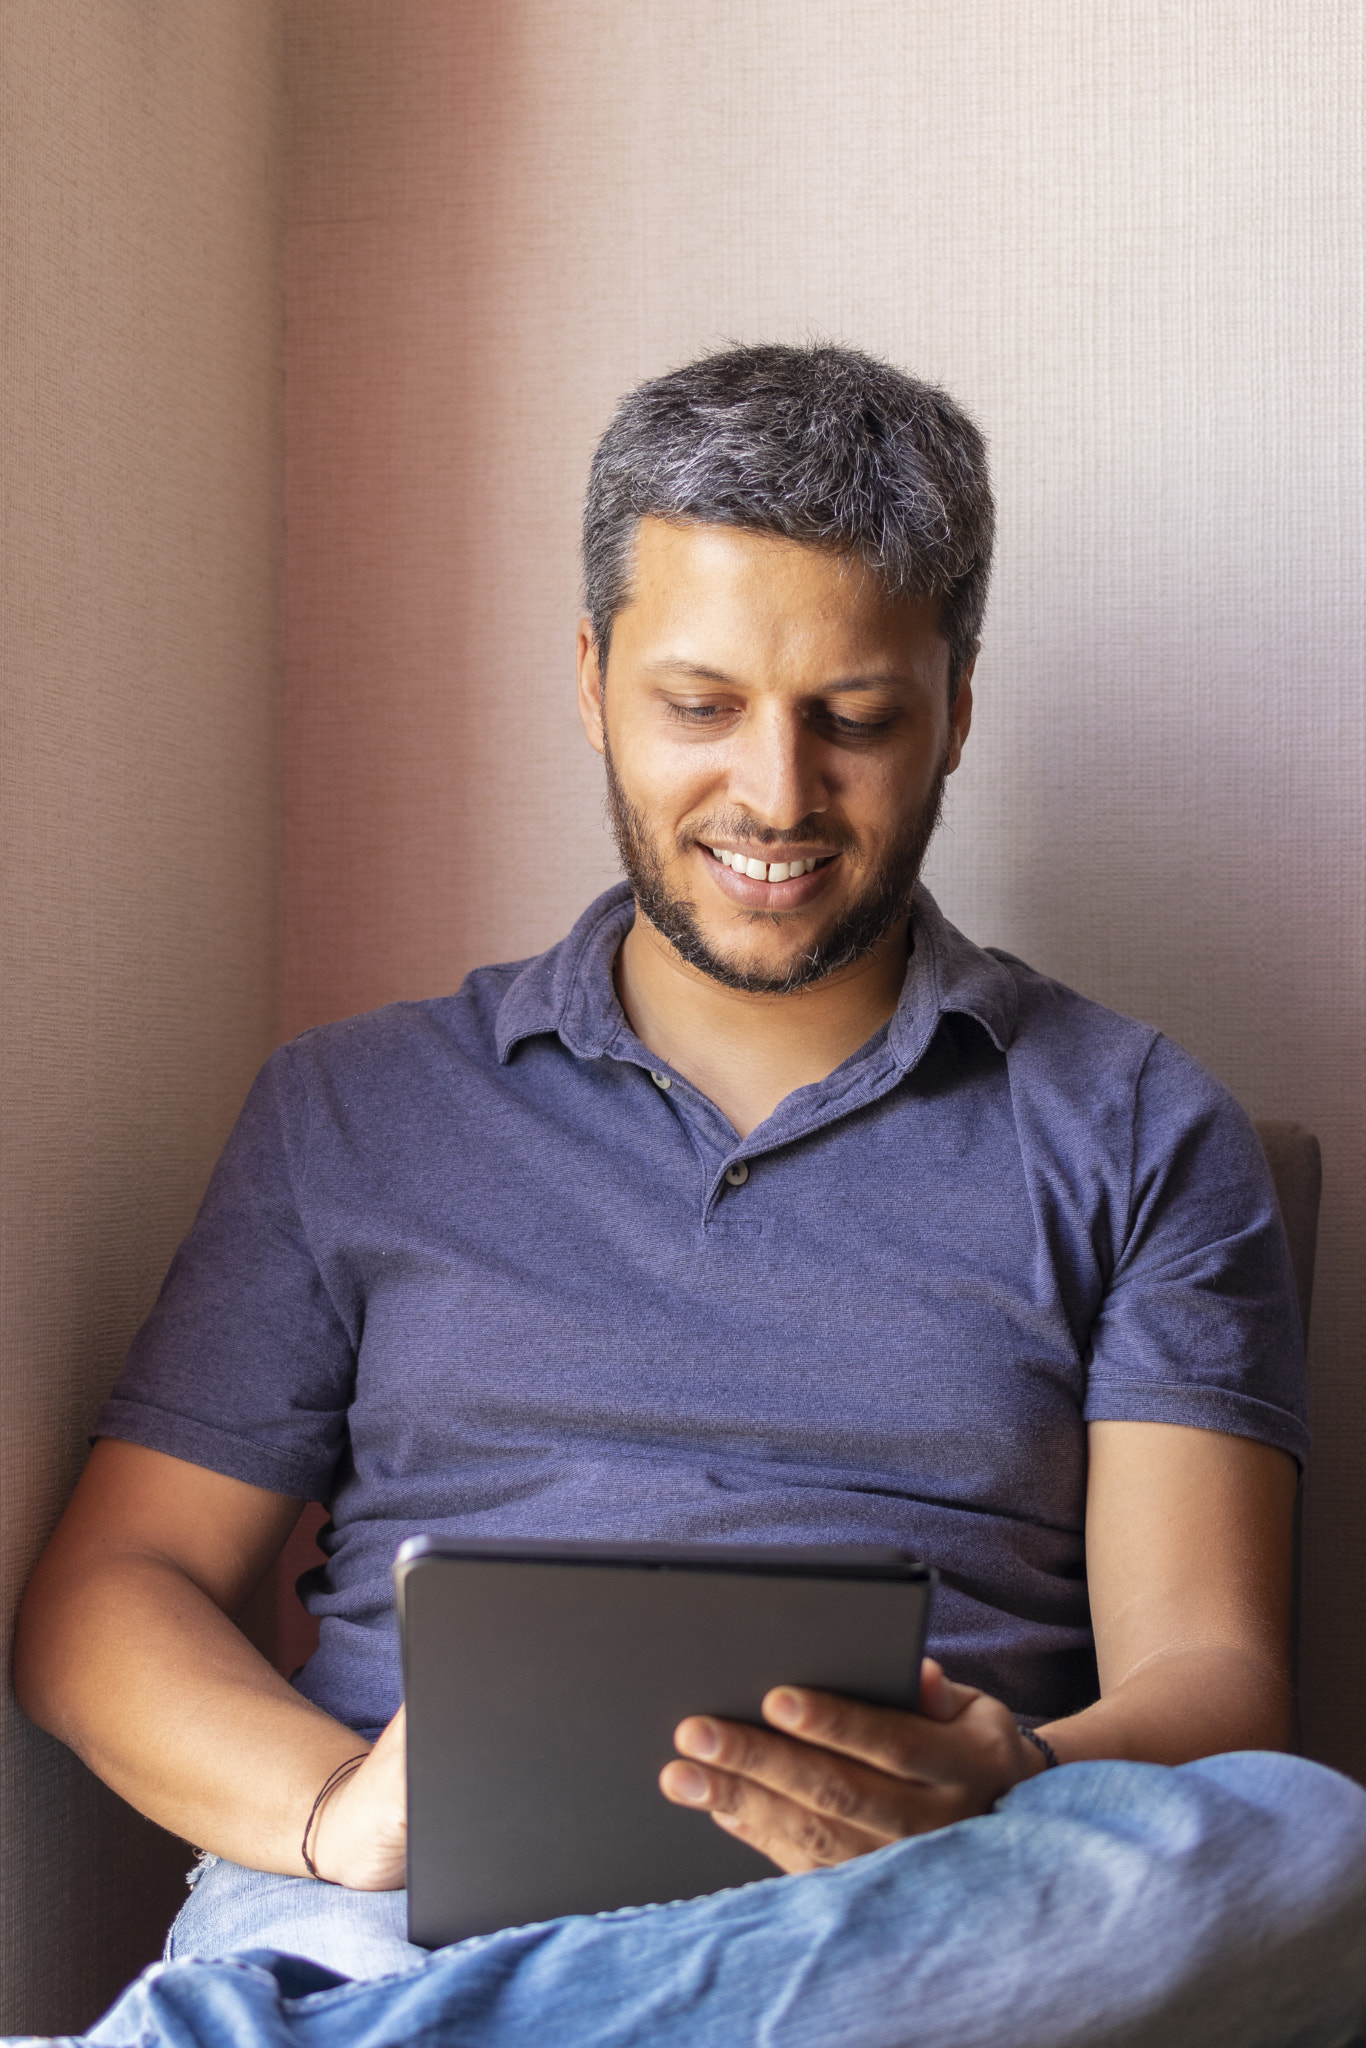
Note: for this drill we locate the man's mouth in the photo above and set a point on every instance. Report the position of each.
(768, 871)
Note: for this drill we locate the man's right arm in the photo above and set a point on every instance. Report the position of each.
(127, 1651)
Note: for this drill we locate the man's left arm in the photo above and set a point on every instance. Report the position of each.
(1188, 1544)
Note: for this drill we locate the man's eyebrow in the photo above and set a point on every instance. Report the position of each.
(675, 665)
(696, 671)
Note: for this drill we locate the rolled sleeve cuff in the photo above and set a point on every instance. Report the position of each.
(1216, 1408)
(218, 1450)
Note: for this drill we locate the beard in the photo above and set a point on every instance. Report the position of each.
(859, 929)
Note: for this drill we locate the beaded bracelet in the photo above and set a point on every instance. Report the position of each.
(1045, 1749)
(342, 1772)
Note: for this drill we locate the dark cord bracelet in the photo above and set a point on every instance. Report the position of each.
(342, 1772)
(1045, 1749)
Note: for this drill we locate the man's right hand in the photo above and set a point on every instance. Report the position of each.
(360, 1837)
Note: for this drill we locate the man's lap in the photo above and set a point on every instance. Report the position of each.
(358, 1934)
(1222, 1904)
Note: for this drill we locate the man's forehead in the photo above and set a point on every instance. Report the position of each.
(709, 602)
(691, 576)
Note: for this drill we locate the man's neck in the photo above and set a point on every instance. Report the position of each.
(747, 1052)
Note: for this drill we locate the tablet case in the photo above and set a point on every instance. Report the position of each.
(544, 1683)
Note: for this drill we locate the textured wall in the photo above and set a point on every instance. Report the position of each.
(140, 144)
(1130, 237)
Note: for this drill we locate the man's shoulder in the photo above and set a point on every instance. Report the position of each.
(1030, 1015)
(1053, 1016)
(399, 1037)
(566, 990)
(1095, 1058)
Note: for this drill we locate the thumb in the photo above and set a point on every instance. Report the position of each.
(940, 1699)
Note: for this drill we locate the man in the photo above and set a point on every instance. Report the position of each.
(764, 1207)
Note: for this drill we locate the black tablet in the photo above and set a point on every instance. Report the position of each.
(544, 1682)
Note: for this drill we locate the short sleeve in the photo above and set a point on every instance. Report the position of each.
(244, 1365)
(1200, 1324)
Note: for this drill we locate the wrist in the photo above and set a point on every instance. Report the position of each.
(1038, 1752)
(317, 1860)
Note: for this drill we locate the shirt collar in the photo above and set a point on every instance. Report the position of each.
(946, 972)
(570, 990)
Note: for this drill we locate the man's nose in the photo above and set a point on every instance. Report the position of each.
(776, 773)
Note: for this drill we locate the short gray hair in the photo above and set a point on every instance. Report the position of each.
(817, 443)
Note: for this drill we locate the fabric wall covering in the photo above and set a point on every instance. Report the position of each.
(1130, 237)
(140, 149)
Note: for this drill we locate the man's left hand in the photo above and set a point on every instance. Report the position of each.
(841, 1779)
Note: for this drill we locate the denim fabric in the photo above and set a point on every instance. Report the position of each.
(1105, 1905)
(359, 1934)
(466, 1268)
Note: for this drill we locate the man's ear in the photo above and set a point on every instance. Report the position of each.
(960, 712)
(590, 687)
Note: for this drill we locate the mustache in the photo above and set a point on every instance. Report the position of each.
(737, 825)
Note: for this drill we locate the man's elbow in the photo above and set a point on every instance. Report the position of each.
(44, 1671)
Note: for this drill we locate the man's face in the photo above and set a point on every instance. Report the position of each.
(767, 702)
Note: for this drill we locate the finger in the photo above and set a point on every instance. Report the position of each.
(911, 1746)
(794, 1837)
(798, 1767)
(749, 1752)
(838, 1788)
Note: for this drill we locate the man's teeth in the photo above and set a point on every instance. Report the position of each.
(760, 871)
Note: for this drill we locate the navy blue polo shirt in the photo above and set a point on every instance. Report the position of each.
(482, 1265)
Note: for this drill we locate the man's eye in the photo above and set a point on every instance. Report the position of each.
(697, 714)
(857, 728)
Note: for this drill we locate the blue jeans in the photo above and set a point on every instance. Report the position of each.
(1221, 1905)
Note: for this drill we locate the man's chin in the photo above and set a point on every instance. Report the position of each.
(779, 964)
(758, 971)
(778, 960)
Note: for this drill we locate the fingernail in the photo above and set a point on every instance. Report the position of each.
(686, 1783)
(704, 1738)
(784, 1706)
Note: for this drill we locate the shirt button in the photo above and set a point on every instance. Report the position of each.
(738, 1174)
(661, 1080)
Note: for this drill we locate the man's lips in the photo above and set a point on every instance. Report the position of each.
(754, 894)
